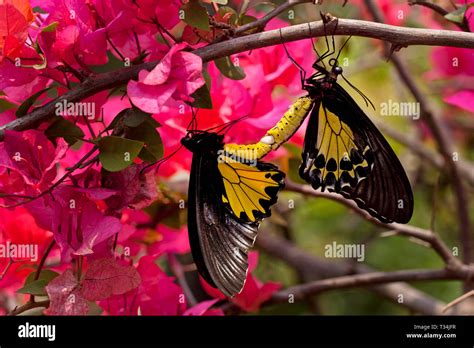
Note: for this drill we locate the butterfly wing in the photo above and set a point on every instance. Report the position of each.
(226, 203)
(345, 153)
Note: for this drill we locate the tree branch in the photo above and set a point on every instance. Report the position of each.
(399, 36)
(434, 158)
(299, 292)
(318, 268)
(29, 305)
(406, 230)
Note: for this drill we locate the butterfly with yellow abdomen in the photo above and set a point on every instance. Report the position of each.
(343, 151)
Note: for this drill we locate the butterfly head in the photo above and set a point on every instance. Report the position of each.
(202, 141)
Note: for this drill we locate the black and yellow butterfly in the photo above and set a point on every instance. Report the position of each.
(343, 151)
(227, 200)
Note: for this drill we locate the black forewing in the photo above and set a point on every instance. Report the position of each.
(386, 192)
(219, 240)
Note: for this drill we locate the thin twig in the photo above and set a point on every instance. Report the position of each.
(43, 259)
(299, 292)
(178, 271)
(69, 172)
(441, 11)
(7, 267)
(260, 23)
(29, 305)
(458, 300)
(406, 230)
(431, 156)
(41, 264)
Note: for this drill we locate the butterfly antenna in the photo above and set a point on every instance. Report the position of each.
(342, 47)
(295, 63)
(226, 125)
(160, 162)
(366, 99)
(193, 123)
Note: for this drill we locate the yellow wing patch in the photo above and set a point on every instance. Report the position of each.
(248, 189)
(338, 161)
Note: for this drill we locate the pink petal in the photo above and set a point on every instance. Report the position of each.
(149, 98)
(463, 99)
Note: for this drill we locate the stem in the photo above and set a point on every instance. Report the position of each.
(29, 305)
(43, 259)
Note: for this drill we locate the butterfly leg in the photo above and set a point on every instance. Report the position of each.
(326, 17)
(295, 63)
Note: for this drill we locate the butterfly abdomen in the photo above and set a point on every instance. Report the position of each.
(277, 135)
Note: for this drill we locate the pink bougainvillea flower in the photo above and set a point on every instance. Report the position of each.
(13, 76)
(75, 219)
(204, 309)
(65, 296)
(168, 240)
(18, 227)
(135, 189)
(15, 17)
(157, 294)
(463, 99)
(103, 278)
(254, 293)
(452, 61)
(108, 277)
(32, 156)
(79, 37)
(177, 76)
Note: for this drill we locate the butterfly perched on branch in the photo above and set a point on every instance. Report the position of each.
(343, 151)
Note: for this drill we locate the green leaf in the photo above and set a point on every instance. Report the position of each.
(6, 105)
(113, 63)
(25, 106)
(202, 97)
(223, 10)
(220, 2)
(117, 119)
(50, 28)
(228, 69)
(64, 129)
(38, 9)
(152, 150)
(135, 117)
(195, 15)
(245, 19)
(457, 16)
(37, 287)
(45, 274)
(118, 153)
(132, 117)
